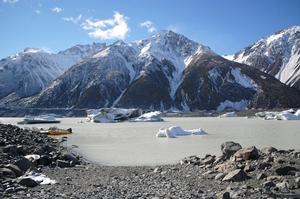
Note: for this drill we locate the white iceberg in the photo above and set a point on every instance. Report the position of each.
(154, 116)
(174, 131)
(283, 115)
(229, 114)
(38, 177)
(108, 115)
(287, 116)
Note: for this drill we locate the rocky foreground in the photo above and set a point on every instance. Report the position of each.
(238, 173)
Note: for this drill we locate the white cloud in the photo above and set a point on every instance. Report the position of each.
(74, 20)
(57, 9)
(10, 1)
(149, 25)
(115, 28)
(37, 12)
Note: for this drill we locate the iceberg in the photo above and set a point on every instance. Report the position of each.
(154, 116)
(174, 131)
(108, 115)
(283, 115)
(229, 114)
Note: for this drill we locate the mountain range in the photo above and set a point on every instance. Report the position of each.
(166, 71)
(277, 55)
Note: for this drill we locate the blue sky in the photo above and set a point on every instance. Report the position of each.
(225, 26)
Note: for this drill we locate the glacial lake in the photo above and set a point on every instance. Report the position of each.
(131, 144)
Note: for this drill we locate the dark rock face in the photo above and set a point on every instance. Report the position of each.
(149, 91)
(208, 81)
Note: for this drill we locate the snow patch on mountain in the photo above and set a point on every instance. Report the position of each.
(242, 79)
(229, 57)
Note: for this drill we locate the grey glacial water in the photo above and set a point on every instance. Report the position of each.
(135, 143)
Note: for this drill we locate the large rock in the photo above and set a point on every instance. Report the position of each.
(28, 182)
(7, 173)
(229, 148)
(63, 163)
(70, 157)
(225, 167)
(237, 175)
(268, 184)
(285, 170)
(208, 159)
(11, 149)
(193, 160)
(249, 153)
(23, 163)
(268, 150)
(15, 169)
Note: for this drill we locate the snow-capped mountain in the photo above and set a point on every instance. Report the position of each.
(30, 71)
(277, 54)
(166, 71)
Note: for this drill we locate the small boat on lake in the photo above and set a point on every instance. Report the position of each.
(57, 131)
(39, 119)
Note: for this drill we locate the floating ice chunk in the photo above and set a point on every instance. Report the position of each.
(149, 117)
(38, 177)
(287, 116)
(164, 133)
(297, 113)
(229, 114)
(284, 115)
(178, 131)
(108, 115)
(174, 131)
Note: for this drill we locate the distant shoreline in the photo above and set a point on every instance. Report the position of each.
(77, 112)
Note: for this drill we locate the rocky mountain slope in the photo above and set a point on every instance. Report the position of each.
(166, 71)
(277, 55)
(26, 73)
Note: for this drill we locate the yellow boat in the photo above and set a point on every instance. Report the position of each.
(59, 131)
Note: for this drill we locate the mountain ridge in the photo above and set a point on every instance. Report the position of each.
(166, 71)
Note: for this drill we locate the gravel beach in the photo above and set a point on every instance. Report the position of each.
(238, 173)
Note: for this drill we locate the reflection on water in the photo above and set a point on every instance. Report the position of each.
(135, 143)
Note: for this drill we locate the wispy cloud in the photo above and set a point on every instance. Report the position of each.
(37, 12)
(10, 1)
(114, 28)
(57, 9)
(75, 20)
(149, 25)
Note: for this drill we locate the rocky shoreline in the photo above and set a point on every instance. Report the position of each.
(238, 173)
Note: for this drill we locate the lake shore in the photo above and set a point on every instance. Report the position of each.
(238, 173)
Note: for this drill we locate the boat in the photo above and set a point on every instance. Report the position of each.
(57, 131)
(39, 119)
